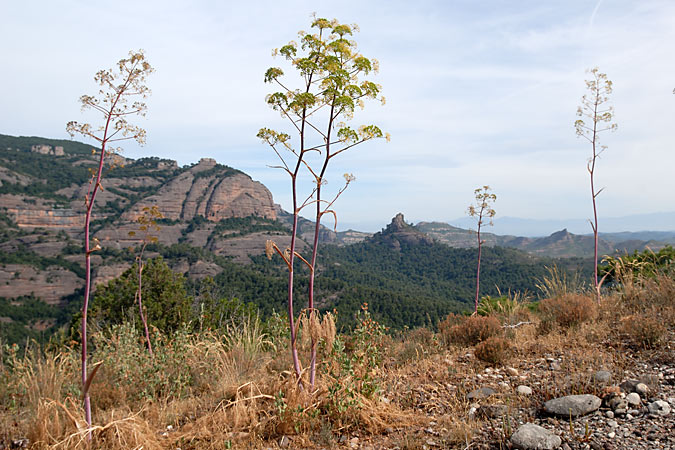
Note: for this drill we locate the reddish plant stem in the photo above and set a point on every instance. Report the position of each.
(140, 303)
(594, 225)
(87, 285)
(480, 246)
(291, 317)
(315, 246)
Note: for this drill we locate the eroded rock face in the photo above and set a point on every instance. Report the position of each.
(50, 284)
(40, 213)
(214, 192)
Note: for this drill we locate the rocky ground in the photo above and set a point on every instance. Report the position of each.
(555, 401)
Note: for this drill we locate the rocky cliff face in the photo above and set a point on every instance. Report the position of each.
(212, 191)
(35, 217)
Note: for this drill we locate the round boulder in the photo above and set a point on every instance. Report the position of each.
(573, 405)
(531, 436)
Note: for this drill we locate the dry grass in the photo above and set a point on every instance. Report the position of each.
(239, 392)
(468, 330)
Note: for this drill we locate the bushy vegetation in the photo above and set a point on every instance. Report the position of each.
(467, 331)
(230, 384)
(494, 350)
(568, 310)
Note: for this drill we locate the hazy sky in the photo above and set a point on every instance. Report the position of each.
(478, 92)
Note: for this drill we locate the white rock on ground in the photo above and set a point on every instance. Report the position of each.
(633, 399)
(524, 390)
(531, 436)
(574, 405)
(659, 407)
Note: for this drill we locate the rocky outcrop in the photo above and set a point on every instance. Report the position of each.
(50, 284)
(399, 232)
(45, 149)
(212, 191)
(33, 213)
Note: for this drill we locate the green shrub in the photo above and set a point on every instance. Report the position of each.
(135, 374)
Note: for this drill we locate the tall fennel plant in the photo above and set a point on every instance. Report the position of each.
(147, 224)
(482, 211)
(121, 95)
(328, 66)
(595, 117)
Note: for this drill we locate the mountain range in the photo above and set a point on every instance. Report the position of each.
(655, 226)
(216, 222)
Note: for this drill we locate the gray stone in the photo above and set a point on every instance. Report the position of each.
(642, 389)
(284, 441)
(616, 403)
(481, 393)
(524, 390)
(629, 386)
(609, 414)
(659, 407)
(493, 411)
(531, 436)
(512, 371)
(573, 405)
(602, 377)
(20, 443)
(633, 399)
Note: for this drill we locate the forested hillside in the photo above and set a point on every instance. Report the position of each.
(215, 223)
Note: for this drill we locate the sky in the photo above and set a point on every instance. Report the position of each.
(477, 93)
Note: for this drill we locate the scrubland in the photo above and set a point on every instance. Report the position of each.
(375, 388)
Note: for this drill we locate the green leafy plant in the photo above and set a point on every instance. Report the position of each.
(329, 66)
(121, 95)
(164, 294)
(503, 305)
(355, 373)
(599, 118)
(639, 265)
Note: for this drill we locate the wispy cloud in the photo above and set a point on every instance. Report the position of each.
(474, 97)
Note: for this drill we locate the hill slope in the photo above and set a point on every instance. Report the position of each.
(217, 220)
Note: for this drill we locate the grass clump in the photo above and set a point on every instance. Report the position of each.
(644, 331)
(567, 311)
(494, 350)
(468, 331)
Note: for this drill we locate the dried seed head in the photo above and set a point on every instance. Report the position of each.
(269, 249)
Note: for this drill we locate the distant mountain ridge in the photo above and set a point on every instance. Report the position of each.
(662, 222)
(560, 244)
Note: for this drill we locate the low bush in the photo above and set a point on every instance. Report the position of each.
(567, 310)
(494, 350)
(644, 331)
(467, 331)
